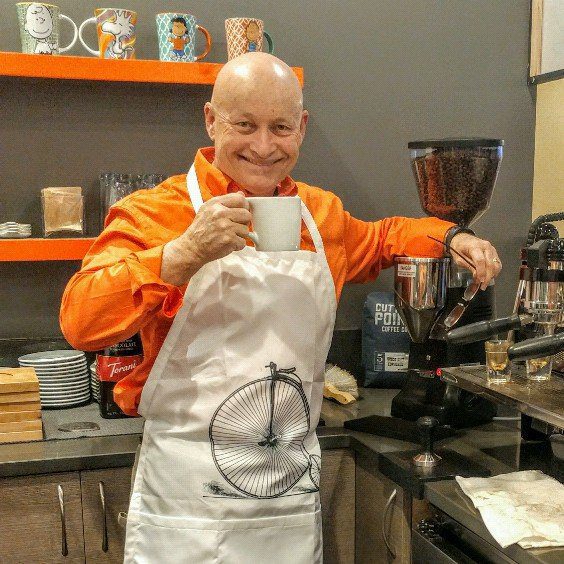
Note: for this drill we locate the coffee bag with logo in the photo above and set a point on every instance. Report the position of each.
(385, 342)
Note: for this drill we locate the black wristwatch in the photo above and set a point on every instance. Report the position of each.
(455, 230)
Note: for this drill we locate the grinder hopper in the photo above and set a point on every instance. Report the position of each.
(455, 180)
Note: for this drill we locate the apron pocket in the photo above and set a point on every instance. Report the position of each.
(154, 538)
(272, 540)
(268, 540)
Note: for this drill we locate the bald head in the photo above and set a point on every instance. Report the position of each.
(256, 121)
(260, 75)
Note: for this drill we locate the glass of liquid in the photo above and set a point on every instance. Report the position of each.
(539, 369)
(497, 361)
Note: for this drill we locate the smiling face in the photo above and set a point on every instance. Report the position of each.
(38, 21)
(253, 31)
(256, 121)
(178, 29)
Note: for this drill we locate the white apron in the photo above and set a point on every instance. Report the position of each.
(229, 466)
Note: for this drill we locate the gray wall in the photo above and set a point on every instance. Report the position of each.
(378, 73)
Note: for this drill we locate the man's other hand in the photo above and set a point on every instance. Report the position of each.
(479, 252)
(219, 228)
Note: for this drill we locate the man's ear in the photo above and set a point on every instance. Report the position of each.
(303, 123)
(209, 115)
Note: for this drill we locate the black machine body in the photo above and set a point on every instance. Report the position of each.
(424, 393)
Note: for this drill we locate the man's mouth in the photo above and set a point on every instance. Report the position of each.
(264, 164)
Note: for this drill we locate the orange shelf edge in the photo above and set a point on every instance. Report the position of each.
(19, 250)
(91, 68)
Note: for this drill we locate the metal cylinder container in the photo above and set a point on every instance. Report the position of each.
(420, 286)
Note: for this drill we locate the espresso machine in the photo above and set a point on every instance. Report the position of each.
(455, 179)
(539, 302)
(537, 323)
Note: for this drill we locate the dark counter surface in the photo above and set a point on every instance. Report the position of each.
(496, 445)
(115, 450)
(87, 452)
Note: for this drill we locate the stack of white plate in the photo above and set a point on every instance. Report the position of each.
(63, 377)
(94, 382)
(13, 230)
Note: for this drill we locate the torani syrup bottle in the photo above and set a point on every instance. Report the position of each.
(113, 364)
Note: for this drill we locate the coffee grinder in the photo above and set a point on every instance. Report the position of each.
(455, 180)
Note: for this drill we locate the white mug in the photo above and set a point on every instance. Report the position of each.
(40, 28)
(277, 222)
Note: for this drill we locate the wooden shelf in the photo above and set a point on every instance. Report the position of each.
(19, 250)
(92, 68)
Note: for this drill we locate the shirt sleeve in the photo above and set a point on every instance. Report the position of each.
(118, 287)
(372, 246)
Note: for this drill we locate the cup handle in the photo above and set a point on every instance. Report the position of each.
(253, 237)
(71, 44)
(208, 42)
(269, 41)
(82, 25)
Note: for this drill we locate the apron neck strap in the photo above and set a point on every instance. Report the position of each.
(196, 197)
(194, 189)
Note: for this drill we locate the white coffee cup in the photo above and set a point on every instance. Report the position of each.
(277, 222)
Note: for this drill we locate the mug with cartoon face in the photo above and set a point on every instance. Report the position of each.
(116, 33)
(40, 26)
(177, 37)
(245, 35)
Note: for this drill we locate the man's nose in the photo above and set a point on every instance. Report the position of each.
(262, 143)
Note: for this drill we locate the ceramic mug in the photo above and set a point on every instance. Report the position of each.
(277, 222)
(116, 33)
(177, 37)
(40, 26)
(245, 35)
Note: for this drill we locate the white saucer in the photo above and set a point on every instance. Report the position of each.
(66, 366)
(52, 356)
(78, 386)
(77, 397)
(62, 373)
(59, 397)
(50, 369)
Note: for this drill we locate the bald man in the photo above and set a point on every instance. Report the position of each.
(235, 340)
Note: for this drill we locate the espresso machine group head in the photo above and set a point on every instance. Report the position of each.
(455, 179)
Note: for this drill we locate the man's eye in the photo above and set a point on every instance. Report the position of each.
(282, 128)
(244, 124)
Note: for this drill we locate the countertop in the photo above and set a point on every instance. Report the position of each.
(117, 450)
(496, 445)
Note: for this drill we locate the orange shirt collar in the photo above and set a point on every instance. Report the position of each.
(216, 183)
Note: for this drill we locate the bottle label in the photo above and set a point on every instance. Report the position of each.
(114, 368)
(407, 270)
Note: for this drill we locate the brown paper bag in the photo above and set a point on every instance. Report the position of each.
(63, 210)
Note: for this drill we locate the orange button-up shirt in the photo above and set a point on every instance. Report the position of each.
(118, 291)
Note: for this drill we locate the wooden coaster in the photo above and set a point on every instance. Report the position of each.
(18, 397)
(18, 380)
(21, 436)
(24, 406)
(11, 416)
(19, 426)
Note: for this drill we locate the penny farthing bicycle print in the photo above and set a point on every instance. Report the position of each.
(257, 436)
